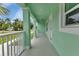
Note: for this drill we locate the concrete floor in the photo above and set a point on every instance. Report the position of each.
(40, 47)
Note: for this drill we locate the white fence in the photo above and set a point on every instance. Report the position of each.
(11, 44)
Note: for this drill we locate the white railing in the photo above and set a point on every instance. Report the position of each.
(11, 44)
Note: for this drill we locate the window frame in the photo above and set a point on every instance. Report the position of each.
(63, 16)
(62, 27)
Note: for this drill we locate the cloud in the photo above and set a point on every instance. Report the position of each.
(18, 14)
(6, 4)
(76, 16)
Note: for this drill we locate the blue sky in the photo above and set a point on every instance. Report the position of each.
(15, 11)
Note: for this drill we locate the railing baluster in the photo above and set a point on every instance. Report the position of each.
(20, 42)
(11, 43)
(7, 45)
(17, 43)
(2, 46)
(14, 45)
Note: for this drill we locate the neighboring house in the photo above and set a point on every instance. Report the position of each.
(10, 29)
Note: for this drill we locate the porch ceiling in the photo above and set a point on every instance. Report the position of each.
(40, 10)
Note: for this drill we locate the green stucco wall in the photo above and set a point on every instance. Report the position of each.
(41, 28)
(65, 43)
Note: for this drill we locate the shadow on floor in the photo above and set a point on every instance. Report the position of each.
(40, 47)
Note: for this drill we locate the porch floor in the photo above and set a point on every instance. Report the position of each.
(40, 47)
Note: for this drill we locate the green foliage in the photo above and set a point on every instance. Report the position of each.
(3, 10)
(5, 24)
(18, 25)
(4, 38)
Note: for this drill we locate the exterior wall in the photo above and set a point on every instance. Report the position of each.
(65, 43)
(41, 28)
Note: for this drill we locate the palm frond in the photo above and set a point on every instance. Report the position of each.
(3, 10)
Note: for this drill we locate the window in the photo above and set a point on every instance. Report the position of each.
(69, 18)
(71, 14)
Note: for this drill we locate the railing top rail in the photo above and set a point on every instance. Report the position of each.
(11, 33)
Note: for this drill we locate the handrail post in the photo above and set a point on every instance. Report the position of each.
(7, 45)
(2, 46)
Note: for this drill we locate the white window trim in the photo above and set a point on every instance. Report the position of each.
(72, 29)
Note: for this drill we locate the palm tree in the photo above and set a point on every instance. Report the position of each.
(7, 20)
(3, 10)
(18, 25)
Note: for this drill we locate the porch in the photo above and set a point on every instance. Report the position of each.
(15, 47)
(40, 47)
